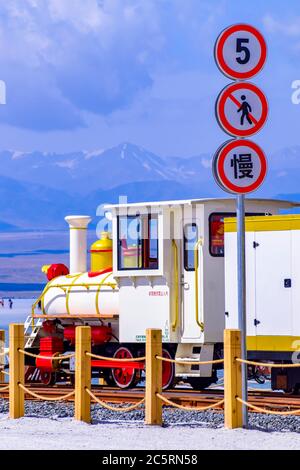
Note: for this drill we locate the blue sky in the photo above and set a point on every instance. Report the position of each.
(89, 74)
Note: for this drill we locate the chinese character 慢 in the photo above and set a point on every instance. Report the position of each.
(242, 165)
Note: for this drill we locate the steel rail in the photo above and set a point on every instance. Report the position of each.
(267, 400)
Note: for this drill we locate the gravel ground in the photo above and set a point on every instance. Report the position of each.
(171, 417)
(65, 433)
(49, 425)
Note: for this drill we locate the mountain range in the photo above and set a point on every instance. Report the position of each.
(38, 189)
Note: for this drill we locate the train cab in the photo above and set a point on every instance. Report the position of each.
(168, 262)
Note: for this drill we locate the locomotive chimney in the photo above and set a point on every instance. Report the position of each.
(78, 242)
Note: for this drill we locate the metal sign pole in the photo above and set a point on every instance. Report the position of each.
(241, 275)
(234, 48)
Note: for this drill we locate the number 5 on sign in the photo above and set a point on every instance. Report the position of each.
(240, 47)
(240, 51)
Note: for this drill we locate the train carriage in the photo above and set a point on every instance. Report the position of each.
(273, 292)
(162, 267)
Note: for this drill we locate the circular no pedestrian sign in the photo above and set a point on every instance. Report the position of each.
(240, 51)
(240, 166)
(241, 109)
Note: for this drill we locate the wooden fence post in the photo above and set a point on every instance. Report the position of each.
(232, 379)
(82, 374)
(2, 357)
(16, 371)
(153, 405)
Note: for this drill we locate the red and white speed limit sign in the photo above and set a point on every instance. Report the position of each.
(241, 109)
(239, 166)
(240, 51)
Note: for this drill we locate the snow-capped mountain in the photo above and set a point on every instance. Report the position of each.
(82, 172)
(38, 189)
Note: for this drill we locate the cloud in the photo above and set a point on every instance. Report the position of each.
(65, 59)
(34, 102)
(288, 28)
(61, 58)
(84, 16)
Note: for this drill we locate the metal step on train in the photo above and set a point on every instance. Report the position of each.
(31, 329)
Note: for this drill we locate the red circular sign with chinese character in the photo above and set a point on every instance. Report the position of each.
(240, 166)
(240, 51)
(241, 109)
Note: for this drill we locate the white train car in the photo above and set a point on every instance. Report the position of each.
(273, 292)
(163, 268)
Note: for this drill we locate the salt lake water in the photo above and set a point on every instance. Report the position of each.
(17, 314)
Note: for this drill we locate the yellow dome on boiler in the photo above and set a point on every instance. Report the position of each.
(101, 253)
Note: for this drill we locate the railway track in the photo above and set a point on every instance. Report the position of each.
(186, 397)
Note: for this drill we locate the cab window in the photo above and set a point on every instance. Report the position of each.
(138, 242)
(190, 235)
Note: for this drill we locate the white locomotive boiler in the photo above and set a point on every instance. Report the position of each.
(162, 267)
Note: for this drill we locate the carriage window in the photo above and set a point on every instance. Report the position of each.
(190, 234)
(138, 242)
(216, 231)
(153, 244)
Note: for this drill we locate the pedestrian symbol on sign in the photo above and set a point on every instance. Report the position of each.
(241, 109)
(246, 109)
(242, 165)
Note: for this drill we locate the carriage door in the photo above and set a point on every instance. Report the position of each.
(190, 329)
(273, 283)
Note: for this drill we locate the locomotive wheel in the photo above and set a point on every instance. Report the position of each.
(48, 378)
(124, 377)
(168, 370)
(109, 378)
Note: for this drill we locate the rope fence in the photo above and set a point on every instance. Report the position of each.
(39, 356)
(168, 402)
(233, 382)
(115, 408)
(46, 398)
(267, 364)
(189, 408)
(154, 398)
(269, 412)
